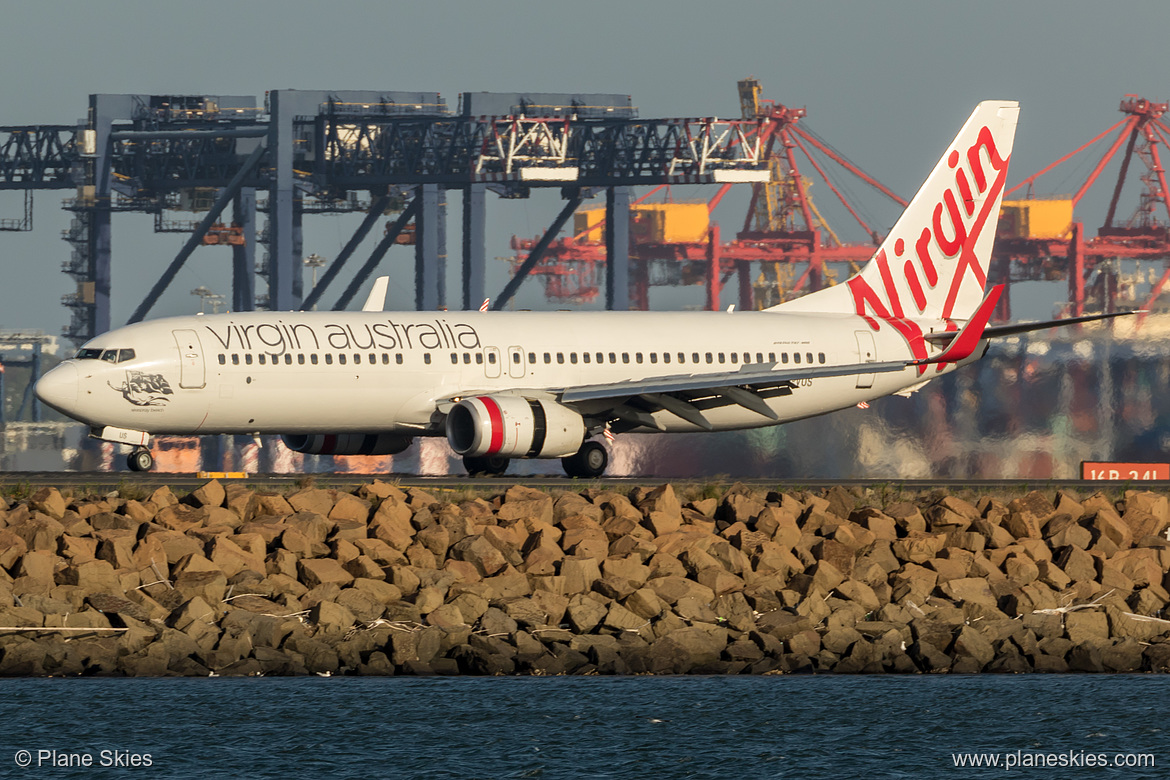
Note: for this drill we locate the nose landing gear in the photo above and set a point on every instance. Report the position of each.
(140, 460)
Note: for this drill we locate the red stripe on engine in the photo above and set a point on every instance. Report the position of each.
(496, 419)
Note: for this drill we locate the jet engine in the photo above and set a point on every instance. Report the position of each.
(514, 427)
(347, 443)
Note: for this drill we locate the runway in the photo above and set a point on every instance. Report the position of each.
(10, 481)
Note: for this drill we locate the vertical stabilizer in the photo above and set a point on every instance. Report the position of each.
(376, 300)
(933, 264)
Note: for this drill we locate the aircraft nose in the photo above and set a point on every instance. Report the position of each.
(58, 388)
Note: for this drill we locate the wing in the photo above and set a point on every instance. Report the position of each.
(688, 395)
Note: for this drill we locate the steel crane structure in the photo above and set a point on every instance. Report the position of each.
(316, 151)
(1055, 246)
(783, 228)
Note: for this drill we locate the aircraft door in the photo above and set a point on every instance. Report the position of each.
(491, 366)
(191, 370)
(516, 368)
(867, 353)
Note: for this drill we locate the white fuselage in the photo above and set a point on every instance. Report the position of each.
(372, 372)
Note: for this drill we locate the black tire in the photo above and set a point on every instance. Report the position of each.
(140, 460)
(589, 462)
(487, 466)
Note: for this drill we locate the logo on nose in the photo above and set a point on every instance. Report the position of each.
(143, 389)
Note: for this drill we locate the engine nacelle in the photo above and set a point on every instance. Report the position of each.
(347, 443)
(514, 427)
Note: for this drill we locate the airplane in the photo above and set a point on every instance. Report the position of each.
(506, 385)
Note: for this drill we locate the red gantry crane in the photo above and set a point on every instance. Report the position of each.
(1039, 237)
(677, 244)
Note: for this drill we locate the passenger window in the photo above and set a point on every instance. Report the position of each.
(682, 357)
(373, 359)
(516, 357)
(560, 357)
(357, 359)
(710, 358)
(759, 357)
(427, 358)
(695, 357)
(248, 359)
(638, 357)
(223, 360)
(585, 357)
(784, 357)
(454, 359)
(808, 357)
(341, 358)
(301, 359)
(771, 357)
(492, 358)
(795, 357)
(235, 360)
(601, 357)
(573, 358)
(288, 358)
(398, 358)
(734, 357)
(313, 358)
(260, 358)
(612, 357)
(720, 357)
(479, 358)
(385, 359)
(747, 358)
(665, 357)
(547, 357)
(625, 357)
(466, 358)
(821, 358)
(328, 358)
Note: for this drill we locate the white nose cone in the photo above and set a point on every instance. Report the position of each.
(58, 388)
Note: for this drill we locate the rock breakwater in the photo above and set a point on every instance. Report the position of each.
(230, 581)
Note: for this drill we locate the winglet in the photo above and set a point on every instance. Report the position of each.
(376, 301)
(967, 339)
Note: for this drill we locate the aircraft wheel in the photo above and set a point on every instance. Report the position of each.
(487, 466)
(140, 460)
(589, 462)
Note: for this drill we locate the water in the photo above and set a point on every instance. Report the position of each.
(572, 727)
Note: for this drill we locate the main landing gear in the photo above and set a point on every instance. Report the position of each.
(487, 466)
(140, 460)
(589, 462)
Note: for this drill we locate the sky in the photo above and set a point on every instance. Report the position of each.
(887, 83)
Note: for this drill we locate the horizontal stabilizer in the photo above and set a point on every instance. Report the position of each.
(1028, 327)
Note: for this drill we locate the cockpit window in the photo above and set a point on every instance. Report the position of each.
(108, 355)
